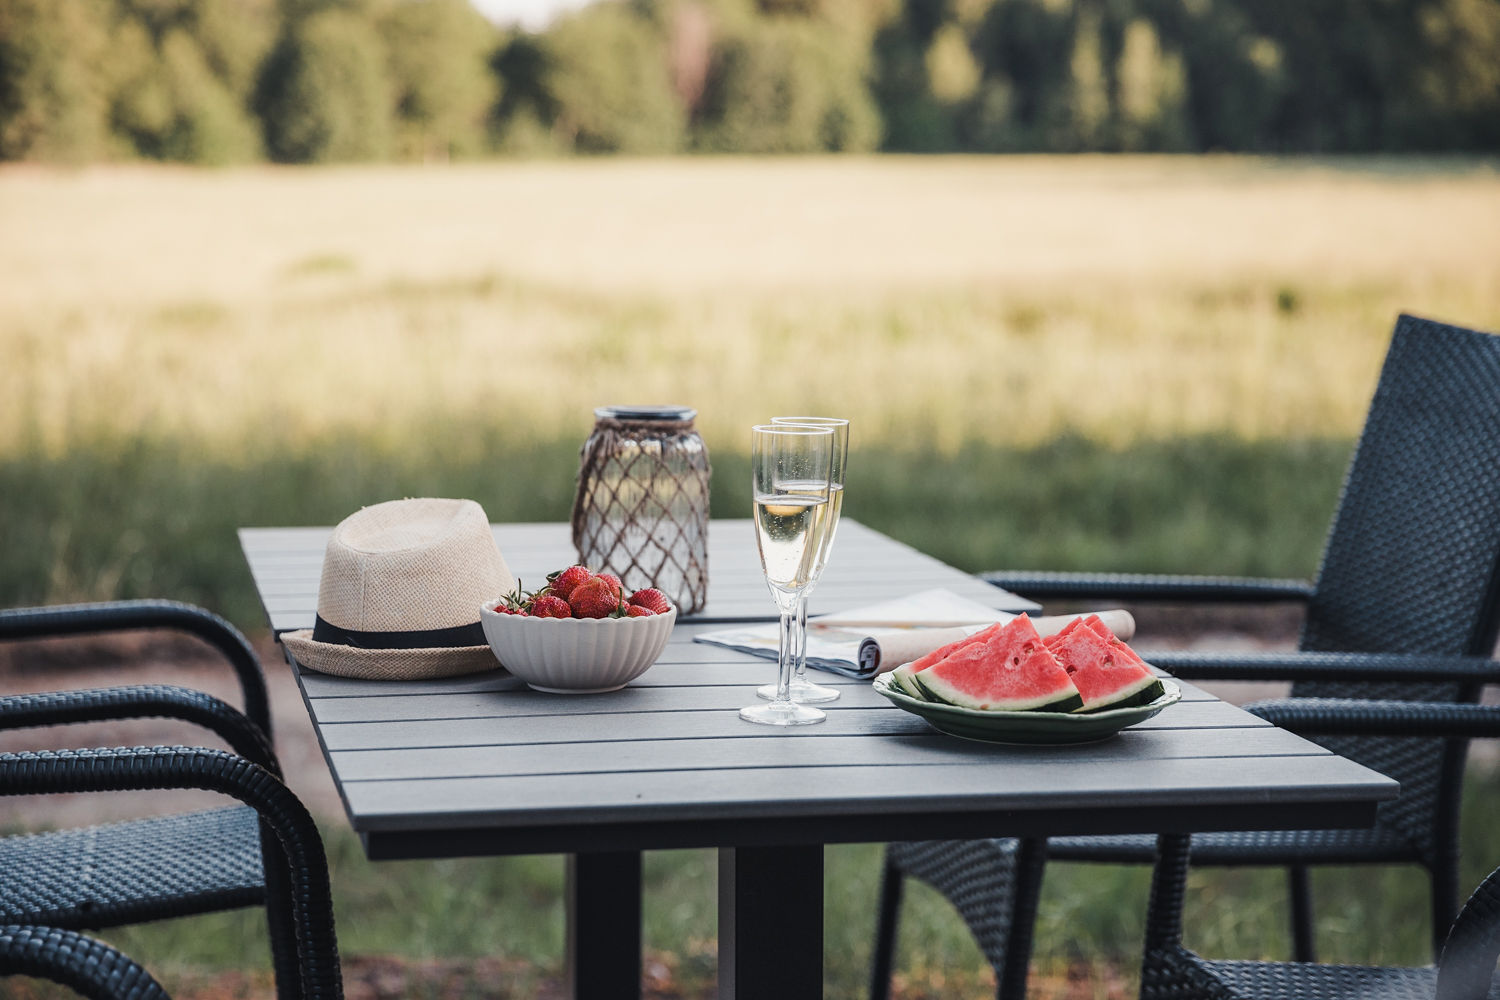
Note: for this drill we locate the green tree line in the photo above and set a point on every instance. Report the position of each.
(305, 81)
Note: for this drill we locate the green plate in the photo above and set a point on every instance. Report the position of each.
(1034, 728)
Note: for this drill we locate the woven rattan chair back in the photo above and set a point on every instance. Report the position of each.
(1412, 562)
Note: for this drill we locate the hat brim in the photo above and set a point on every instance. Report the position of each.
(387, 664)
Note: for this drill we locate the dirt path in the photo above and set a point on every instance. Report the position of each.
(153, 658)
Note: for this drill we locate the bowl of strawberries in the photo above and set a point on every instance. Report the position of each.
(580, 634)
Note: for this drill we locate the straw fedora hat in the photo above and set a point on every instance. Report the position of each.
(402, 585)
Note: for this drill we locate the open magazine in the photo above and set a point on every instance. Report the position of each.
(863, 642)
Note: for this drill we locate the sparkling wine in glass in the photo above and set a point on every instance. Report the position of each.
(790, 468)
(801, 689)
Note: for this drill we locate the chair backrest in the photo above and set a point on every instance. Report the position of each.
(1412, 562)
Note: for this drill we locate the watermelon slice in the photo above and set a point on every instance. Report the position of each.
(902, 681)
(923, 662)
(1107, 673)
(1115, 642)
(1011, 671)
(1062, 633)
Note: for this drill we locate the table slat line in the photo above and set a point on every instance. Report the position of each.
(654, 712)
(517, 704)
(409, 747)
(721, 768)
(344, 754)
(927, 736)
(624, 756)
(516, 686)
(688, 796)
(398, 735)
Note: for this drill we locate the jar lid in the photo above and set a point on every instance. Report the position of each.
(675, 413)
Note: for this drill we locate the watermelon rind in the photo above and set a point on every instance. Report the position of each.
(901, 680)
(1144, 693)
(1027, 728)
(923, 691)
(938, 689)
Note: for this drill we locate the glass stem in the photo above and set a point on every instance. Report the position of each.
(788, 653)
(799, 664)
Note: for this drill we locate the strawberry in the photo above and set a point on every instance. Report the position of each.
(614, 582)
(638, 611)
(563, 581)
(517, 602)
(550, 606)
(652, 599)
(594, 598)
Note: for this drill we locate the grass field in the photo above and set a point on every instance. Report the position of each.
(185, 351)
(1089, 931)
(947, 300)
(1092, 362)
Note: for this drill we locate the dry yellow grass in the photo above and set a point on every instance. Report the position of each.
(1004, 299)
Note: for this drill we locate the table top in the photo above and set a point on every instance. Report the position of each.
(483, 765)
(866, 567)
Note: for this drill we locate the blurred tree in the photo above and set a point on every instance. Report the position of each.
(1080, 113)
(316, 80)
(524, 115)
(690, 40)
(324, 94)
(1152, 92)
(599, 81)
(915, 120)
(439, 52)
(787, 85)
(235, 36)
(952, 73)
(168, 101)
(1456, 82)
(612, 83)
(208, 124)
(1024, 47)
(1237, 80)
(54, 81)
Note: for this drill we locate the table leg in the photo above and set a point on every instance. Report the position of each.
(771, 922)
(604, 925)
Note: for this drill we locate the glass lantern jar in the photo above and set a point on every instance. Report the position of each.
(641, 511)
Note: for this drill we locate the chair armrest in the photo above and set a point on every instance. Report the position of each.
(89, 967)
(1150, 587)
(1354, 716)
(141, 701)
(117, 616)
(1473, 943)
(1412, 667)
(119, 769)
(1467, 963)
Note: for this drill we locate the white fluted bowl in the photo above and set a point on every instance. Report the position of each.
(576, 655)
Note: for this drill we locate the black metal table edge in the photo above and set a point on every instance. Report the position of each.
(456, 842)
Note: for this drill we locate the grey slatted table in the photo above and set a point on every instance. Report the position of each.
(866, 567)
(482, 765)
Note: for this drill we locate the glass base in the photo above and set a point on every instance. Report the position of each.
(782, 713)
(803, 692)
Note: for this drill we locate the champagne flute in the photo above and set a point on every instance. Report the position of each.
(789, 469)
(803, 690)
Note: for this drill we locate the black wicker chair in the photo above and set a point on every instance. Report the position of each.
(91, 968)
(1406, 606)
(1466, 966)
(265, 852)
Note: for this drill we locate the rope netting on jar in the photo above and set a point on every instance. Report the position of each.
(641, 510)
